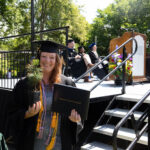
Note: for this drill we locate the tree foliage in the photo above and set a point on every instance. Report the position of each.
(59, 13)
(123, 14)
(15, 19)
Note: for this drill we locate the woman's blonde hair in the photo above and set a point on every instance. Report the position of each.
(55, 76)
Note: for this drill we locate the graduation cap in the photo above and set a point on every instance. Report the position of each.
(49, 46)
(92, 45)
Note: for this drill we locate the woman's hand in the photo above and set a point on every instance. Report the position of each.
(74, 116)
(33, 110)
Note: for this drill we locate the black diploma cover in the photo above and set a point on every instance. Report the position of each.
(66, 98)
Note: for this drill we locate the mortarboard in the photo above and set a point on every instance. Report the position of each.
(92, 45)
(49, 46)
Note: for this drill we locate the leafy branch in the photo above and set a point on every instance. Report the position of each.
(34, 74)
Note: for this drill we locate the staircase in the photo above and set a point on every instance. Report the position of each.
(101, 137)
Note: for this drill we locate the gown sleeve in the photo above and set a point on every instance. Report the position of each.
(21, 129)
(17, 109)
(18, 125)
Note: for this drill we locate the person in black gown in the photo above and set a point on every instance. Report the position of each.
(37, 127)
(73, 59)
(99, 71)
(86, 63)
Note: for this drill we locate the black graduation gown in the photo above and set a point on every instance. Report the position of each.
(70, 59)
(82, 66)
(71, 56)
(23, 130)
(75, 66)
(100, 72)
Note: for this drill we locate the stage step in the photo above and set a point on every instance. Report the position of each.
(97, 146)
(124, 133)
(132, 98)
(117, 112)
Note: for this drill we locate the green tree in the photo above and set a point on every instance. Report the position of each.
(59, 13)
(131, 14)
(15, 19)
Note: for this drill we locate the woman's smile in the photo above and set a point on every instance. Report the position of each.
(47, 61)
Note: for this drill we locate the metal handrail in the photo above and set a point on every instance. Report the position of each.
(101, 117)
(96, 65)
(123, 120)
(38, 32)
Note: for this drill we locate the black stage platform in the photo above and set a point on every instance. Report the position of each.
(99, 99)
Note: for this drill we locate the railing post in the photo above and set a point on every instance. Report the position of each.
(123, 72)
(32, 27)
(67, 51)
(149, 130)
(132, 52)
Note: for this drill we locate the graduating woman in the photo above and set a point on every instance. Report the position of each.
(36, 127)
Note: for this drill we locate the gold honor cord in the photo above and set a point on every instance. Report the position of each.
(53, 124)
(41, 110)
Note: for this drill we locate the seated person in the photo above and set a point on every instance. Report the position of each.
(87, 62)
(71, 59)
(99, 71)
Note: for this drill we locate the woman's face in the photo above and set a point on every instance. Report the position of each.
(94, 48)
(71, 45)
(82, 50)
(47, 61)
